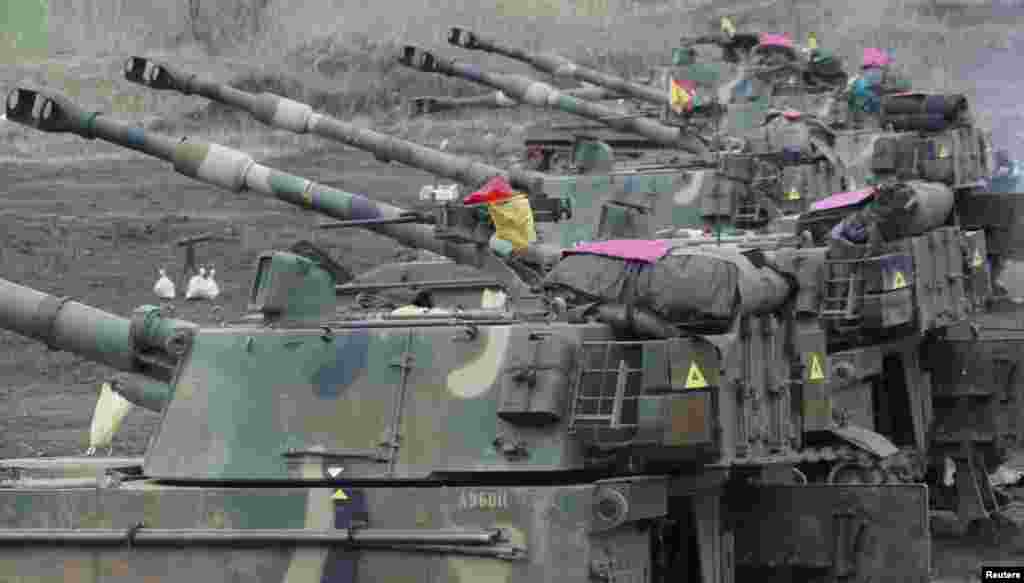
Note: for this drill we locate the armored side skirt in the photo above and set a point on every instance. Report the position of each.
(611, 530)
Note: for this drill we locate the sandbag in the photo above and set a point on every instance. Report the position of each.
(923, 112)
(948, 105)
(898, 210)
(917, 122)
(703, 286)
(679, 288)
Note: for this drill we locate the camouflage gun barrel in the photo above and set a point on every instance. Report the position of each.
(496, 100)
(558, 65)
(236, 171)
(427, 105)
(543, 95)
(147, 343)
(300, 118)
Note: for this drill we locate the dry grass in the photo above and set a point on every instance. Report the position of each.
(349, 70)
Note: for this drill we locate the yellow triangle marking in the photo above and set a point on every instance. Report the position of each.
(817, 374)
(899, 281)
(695, 378)
(339, 495)
(978, 261)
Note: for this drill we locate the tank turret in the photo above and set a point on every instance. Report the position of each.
(544, 95)
(236, 171)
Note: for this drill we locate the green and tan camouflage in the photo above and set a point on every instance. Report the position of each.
(146, 343)
(496, 100)
(237, 172)
(665, 193)
(300, 118)
(453, 448)
(550, 444)
(544, 95)
(558, 65)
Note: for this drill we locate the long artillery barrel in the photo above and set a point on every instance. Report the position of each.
(558, 65)
(147, 343)
(496, 100)
(300, 118)
(237, 171)
(544, 95)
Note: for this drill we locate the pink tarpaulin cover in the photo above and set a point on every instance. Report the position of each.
(842, 199)
(875, 58)
(778, 40)
(648, 250)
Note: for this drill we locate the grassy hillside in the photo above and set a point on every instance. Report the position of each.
(344, 65)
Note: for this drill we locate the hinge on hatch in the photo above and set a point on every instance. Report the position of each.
(849, 530)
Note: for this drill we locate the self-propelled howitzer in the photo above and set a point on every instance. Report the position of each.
(300, 118)
(237, 171)
(318, 450)
(601, 204)
(544, 95)
(558, 65)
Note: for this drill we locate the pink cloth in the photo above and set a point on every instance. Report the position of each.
(792, 114)
(842, 199)
(778, 40)
(647, 250)
(875, 58)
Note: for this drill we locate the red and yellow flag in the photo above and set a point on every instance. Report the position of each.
(509, 210)
(682, 95)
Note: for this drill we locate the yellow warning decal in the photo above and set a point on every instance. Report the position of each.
(899, 280)
(695, 378)
(817, 371)
(339, 495)
(942, 151)
(793, 194)
(978, 261)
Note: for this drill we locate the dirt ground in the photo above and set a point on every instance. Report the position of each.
(98, 231)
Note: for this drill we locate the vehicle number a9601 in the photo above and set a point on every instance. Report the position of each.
(477, 500)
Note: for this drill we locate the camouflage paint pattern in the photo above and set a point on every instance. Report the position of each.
(549, 534)
(586, 193)
(568, 533)
(545, 95)
(556, 64)
(347, 395)
(236, 171)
